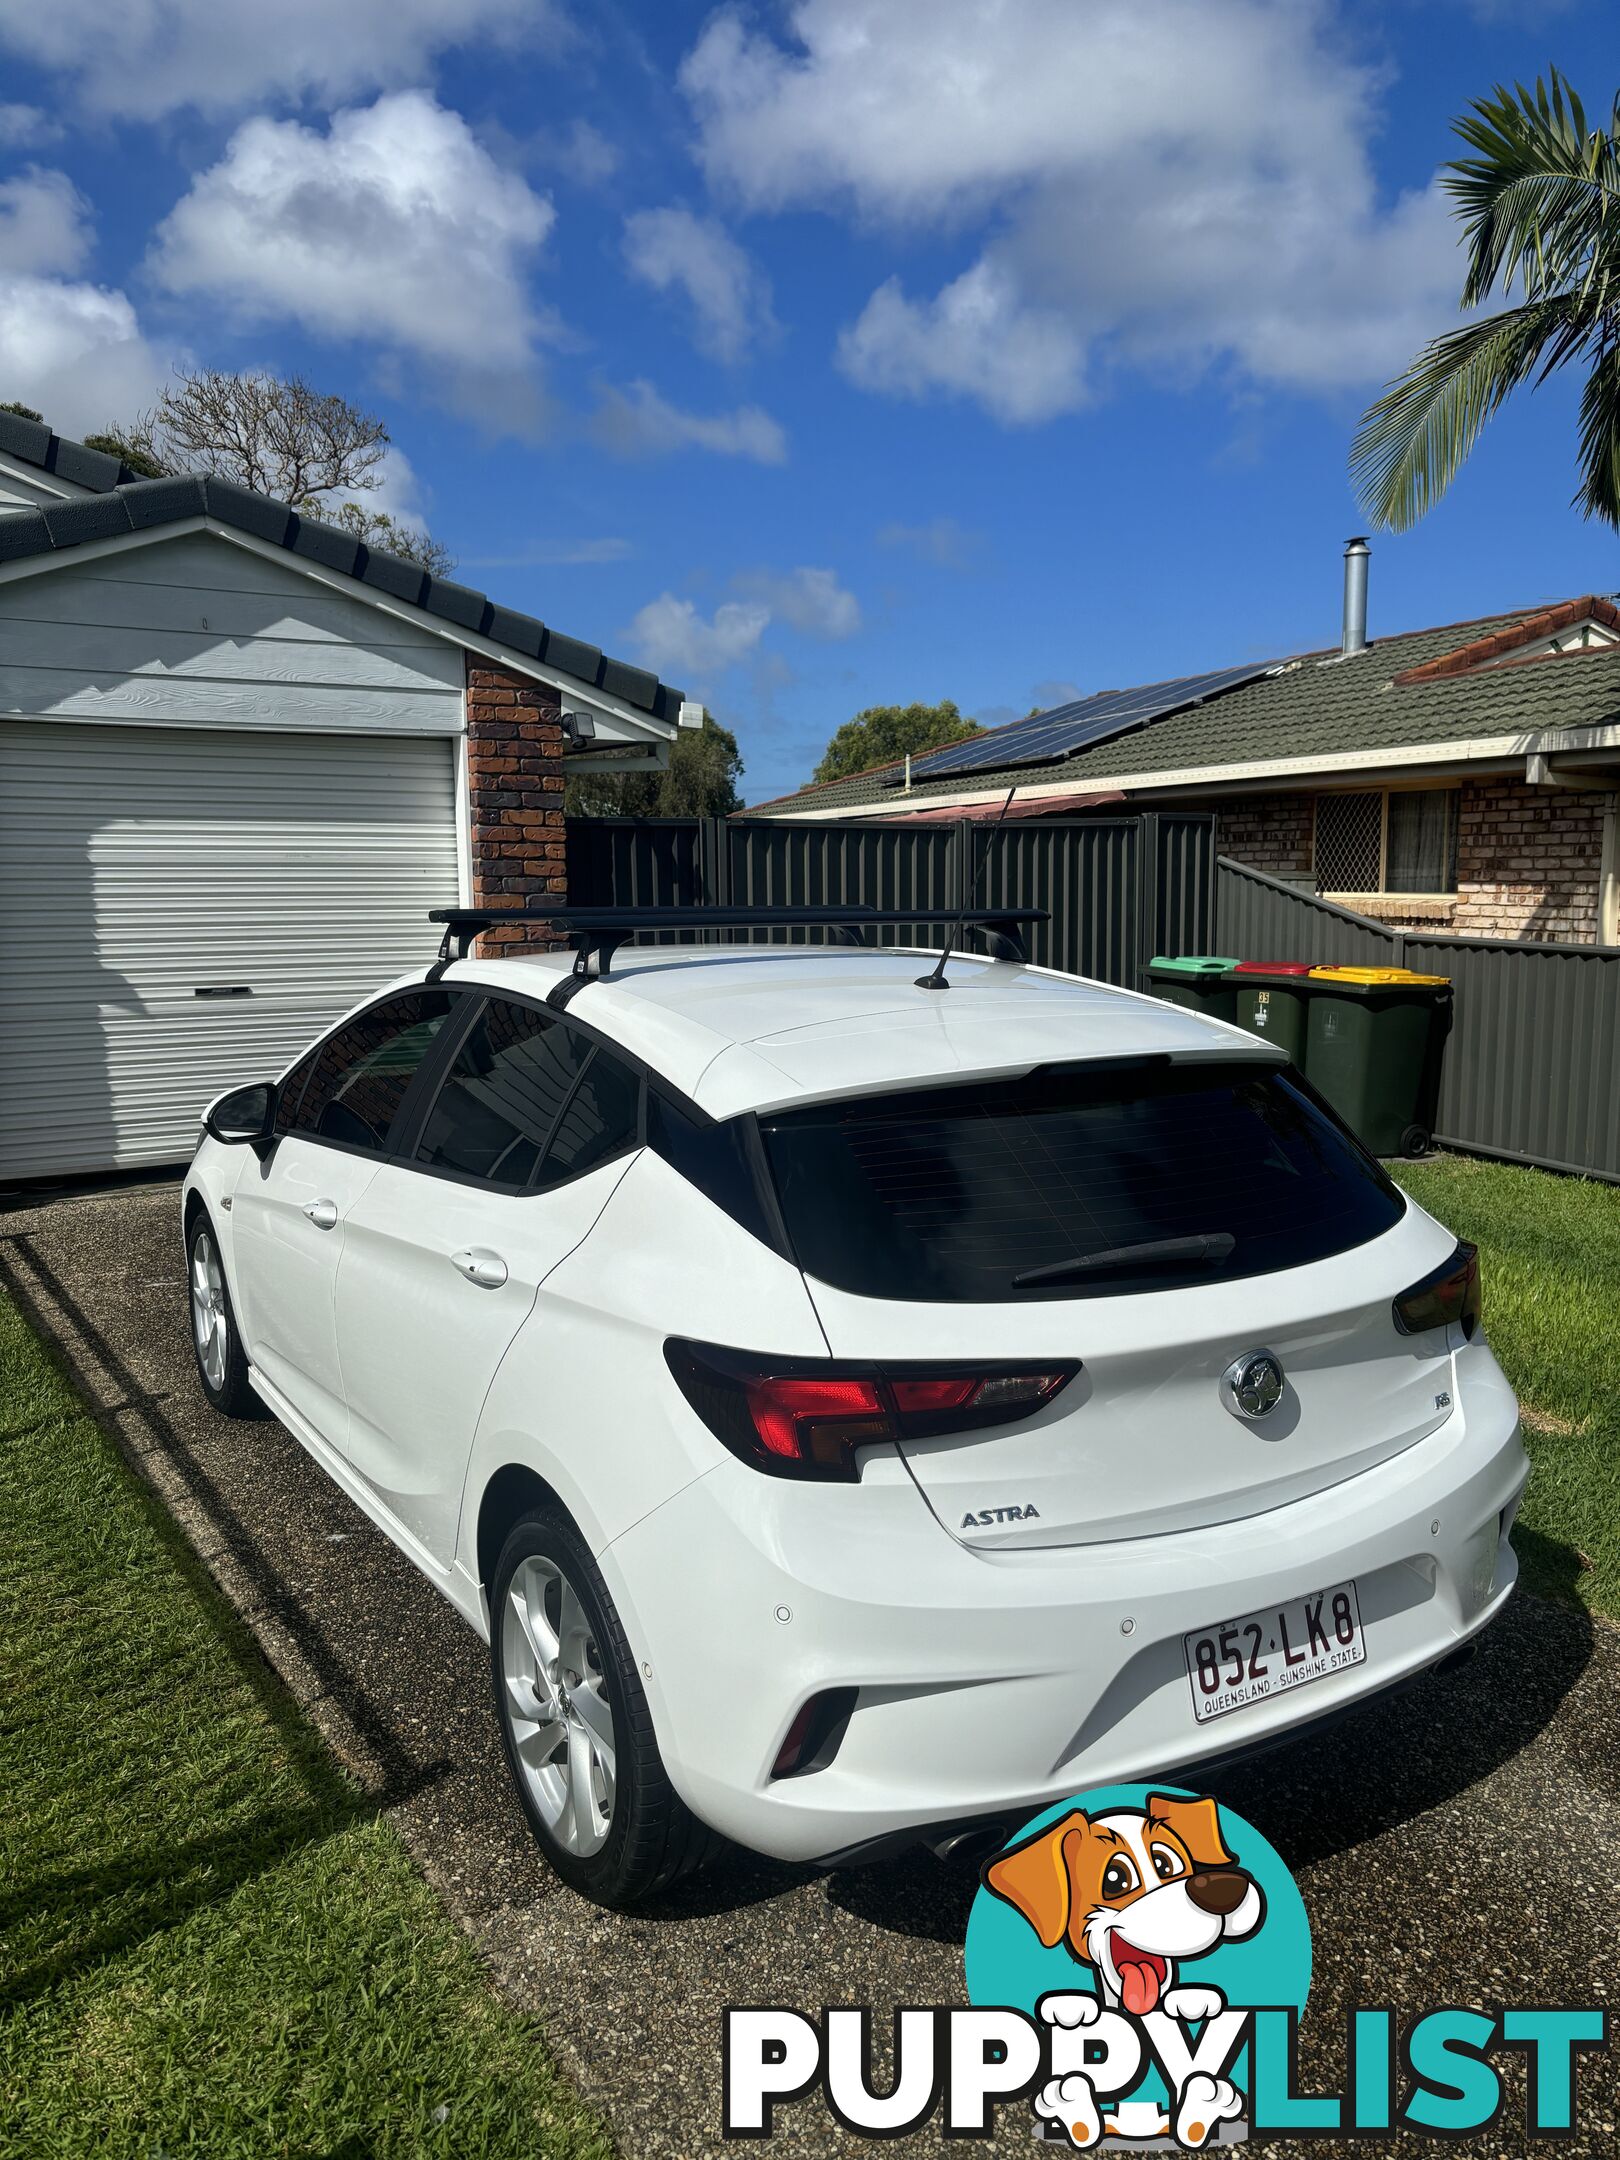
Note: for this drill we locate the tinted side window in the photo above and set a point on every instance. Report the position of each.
(714, 1158)
(361, 1073)
(602, 1119)
(291, 1091)
(500, 1099)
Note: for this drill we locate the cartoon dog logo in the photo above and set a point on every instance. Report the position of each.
(1135, 1893)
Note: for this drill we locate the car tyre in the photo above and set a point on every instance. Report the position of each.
(575, 1725)
(216, 1340)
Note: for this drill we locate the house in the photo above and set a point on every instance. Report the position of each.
(1458, 779)
(241, 756)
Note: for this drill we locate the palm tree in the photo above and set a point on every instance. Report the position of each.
(1540, 205)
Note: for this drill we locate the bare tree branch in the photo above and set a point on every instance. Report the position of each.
(278, 437)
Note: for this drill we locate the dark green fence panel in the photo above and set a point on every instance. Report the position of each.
(1531, 1062)
(1118, 890)
(1260, 918)
(1534, 1053)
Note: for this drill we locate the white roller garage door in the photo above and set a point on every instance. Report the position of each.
(141, 865)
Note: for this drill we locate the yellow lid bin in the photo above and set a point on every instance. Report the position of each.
(1374, 1037)
(1375, 975)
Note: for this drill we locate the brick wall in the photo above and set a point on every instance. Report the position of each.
(1268, 832)
(515, 790)
(1528, 861)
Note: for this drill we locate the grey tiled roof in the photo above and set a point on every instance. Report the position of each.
(122, 502)
(1316, 705)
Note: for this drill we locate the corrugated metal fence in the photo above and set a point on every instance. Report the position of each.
(1118, 889)
(1531, 1064)
(1535, 1044)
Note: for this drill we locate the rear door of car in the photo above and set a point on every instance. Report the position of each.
(504, 1167)
(1209, 1212)
(335, 1117)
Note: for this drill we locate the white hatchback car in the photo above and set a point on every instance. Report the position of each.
(857, 1414)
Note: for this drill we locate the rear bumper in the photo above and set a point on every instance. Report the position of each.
(992, 1684)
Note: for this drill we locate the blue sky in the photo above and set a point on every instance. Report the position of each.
(817, 355)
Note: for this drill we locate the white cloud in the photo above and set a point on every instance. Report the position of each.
(147, 57)
(674, 250)
(394, 228)
(44, 222)
(637, 422)
(941, 541)
(811, 601)
(672, 638)
(25, 127)
(75, 352)
(581, 151)
(554, 554)
(1175, 187)
(974, 339)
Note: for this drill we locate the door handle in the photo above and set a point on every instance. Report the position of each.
(322, 1213)
(481, 1266)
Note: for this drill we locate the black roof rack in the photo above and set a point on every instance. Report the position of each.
(602, 930)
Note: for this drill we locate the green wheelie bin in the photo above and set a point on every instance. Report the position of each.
(1201, 981)
(1374, 1040)
(1272, 996)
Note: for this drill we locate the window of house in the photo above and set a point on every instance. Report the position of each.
(1387, 840)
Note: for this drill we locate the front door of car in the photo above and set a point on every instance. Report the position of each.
(290, 1210)
(497, 1180)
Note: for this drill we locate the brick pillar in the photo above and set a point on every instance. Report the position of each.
(515, 794)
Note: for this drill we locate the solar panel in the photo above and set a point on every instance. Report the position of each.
(1046, 736)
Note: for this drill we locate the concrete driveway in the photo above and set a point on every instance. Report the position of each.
(1460, 1844)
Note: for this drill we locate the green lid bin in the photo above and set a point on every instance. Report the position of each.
(1272, 996)
(1201, 982)
(1373, 1045)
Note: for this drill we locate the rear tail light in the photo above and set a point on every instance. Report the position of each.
(801, 1417)
(1449, 1297)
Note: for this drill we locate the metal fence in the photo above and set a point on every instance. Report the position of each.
(1531, 1063)
(1118, 890)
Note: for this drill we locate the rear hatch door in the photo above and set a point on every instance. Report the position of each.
(920, 1219)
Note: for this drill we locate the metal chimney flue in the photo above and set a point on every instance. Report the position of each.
(1356, 552)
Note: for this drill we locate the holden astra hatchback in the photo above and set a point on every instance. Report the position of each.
(857, 1412)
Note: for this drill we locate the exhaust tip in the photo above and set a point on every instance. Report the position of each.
(1455, 1660)
(975, 1844)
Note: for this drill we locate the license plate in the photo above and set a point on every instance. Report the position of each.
(1266, 1653)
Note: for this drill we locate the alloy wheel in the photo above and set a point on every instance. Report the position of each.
(558, 1707)
(210, 1322)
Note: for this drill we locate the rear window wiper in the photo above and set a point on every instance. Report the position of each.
(1208, 1248)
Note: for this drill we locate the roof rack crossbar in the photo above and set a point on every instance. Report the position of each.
(600, 931)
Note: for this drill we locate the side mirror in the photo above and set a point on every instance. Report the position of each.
(243, 1115)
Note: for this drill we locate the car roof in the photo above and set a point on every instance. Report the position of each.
(765, 1027)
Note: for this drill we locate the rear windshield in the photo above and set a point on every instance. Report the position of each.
(1098, 1181)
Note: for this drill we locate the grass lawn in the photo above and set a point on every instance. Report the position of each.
(210, 1944)
(1550, 1254)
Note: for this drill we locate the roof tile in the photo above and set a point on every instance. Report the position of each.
(329, 545)
(456, 603)
(260, 515)
(161, 502)
(86, 517)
